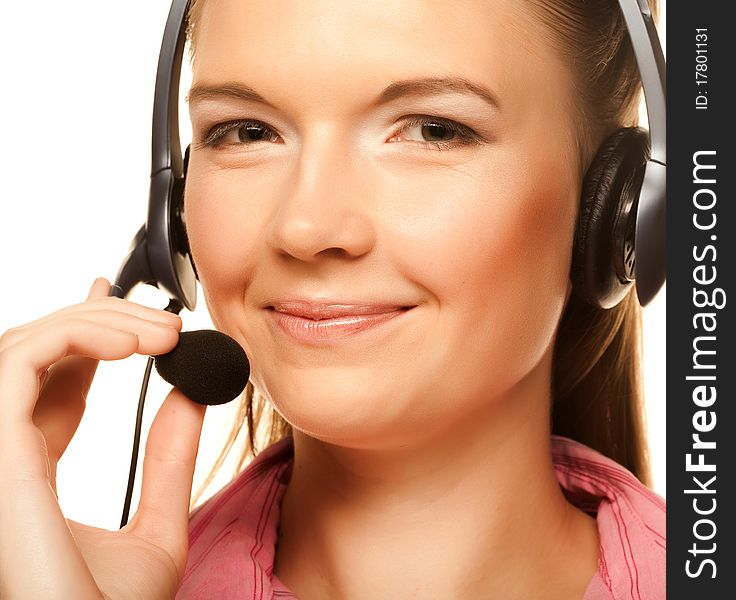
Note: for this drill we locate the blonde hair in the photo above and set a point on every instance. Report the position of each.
(596, 374)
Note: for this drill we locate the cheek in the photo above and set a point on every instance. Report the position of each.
(219, 222)
(494, 249)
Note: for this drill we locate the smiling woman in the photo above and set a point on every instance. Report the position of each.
(383, 203)
(397, 160)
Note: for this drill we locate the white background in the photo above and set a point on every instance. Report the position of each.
(77, 89)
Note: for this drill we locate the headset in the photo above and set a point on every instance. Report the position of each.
(620, 234)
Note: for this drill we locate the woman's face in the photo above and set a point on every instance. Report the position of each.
(416, 153)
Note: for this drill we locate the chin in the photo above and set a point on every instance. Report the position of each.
(350, 415)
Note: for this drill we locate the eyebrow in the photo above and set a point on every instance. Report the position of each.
(428, 86)
(233, 90)
(432, 86)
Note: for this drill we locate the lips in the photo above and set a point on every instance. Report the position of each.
(327, 322)
(320, 310)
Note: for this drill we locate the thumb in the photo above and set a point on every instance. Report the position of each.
(162, 517)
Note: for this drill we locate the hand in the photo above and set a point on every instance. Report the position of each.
(46, 369)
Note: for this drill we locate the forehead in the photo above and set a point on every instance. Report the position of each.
(309, 44)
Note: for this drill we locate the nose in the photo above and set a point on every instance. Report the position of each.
(323, 209)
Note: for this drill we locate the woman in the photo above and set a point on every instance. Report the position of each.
(420, 162)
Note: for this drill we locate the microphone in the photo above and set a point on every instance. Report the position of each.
(208, 366)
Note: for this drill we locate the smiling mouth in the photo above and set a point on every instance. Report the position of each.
(326, 327)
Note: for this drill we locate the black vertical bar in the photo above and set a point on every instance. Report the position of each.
(701, 399)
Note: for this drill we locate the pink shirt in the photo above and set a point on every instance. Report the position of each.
(232, 536)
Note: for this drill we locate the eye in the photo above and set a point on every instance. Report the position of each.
(242, 132)
(424, 130)
(434, 131)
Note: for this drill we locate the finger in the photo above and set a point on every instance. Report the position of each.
(65, 385)
(97, 299)
(168, 467)
(22, 363)
(64, 389)
(100, 289)
(113, 318)
(103, 313)
(62, 401)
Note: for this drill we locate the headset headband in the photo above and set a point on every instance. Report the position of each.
(167, 164)
(651, 216)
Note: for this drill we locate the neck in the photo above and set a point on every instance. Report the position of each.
(476, 511)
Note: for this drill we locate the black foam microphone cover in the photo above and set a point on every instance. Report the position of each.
(208, 366)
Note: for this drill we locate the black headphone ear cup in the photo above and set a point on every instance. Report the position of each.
(603, 250)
